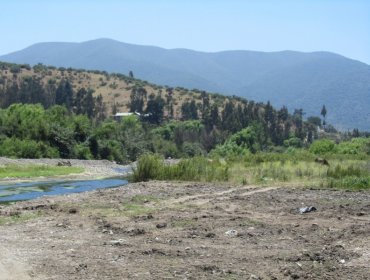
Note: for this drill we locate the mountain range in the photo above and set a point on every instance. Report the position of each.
(294, 79)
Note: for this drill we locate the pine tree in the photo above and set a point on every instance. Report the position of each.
(154, 109)
(323, 113)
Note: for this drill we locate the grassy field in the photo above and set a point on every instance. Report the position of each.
(29, 171)
(261, 169)
(352, 174)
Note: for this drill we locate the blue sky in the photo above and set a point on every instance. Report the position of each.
(341, 26)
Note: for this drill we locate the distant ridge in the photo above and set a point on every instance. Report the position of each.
(294, 79)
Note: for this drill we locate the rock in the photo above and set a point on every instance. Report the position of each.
(231, 233)
(81, 266)
(161, 225)
(136, 231)
(118, 242)
(72, 211)
(210, 235)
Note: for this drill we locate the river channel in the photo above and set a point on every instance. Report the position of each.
(32, 190)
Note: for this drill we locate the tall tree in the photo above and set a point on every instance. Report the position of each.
(64, 94)
(323, 113)
(154, 109)
(189, 110)
(137, 96)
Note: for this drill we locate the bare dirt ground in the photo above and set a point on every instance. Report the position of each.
(169, 230)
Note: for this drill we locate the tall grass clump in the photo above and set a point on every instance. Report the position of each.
(349, 183)
(152, 167)
(148, 167)
(349, 177)
(345, 171)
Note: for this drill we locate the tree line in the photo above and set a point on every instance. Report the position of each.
(51, 119)
(32, 90)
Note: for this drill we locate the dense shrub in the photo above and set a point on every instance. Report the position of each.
(354, 147)
(293, 142)
(321, 147)
(192, 149)
(229, 150)
(13, 147)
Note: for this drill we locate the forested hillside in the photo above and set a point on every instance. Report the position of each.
(70, 115)
(289, 78)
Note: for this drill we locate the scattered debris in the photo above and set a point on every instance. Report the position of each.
(308, 209)
(231, 233)
(64, 163)
(118, 242)
(135, 231)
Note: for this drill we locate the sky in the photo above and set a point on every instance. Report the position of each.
(340, 26)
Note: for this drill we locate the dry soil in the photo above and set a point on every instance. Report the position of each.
(172, 230)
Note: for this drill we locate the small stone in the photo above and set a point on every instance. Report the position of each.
(161, 225)
(210, 235)
(118, 242)
(231, 233)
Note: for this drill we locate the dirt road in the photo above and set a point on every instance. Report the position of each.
(159, 230)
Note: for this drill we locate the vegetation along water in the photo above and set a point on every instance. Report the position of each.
(50, 112)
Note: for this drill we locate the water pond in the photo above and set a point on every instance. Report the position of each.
(31, 190)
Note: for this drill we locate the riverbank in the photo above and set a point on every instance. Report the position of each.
(173, 230)
(93, 169)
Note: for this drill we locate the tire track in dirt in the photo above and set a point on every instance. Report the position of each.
(206, 198)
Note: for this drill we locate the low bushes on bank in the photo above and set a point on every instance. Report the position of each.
(152, 167)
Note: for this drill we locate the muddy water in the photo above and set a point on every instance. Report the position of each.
(32, 190)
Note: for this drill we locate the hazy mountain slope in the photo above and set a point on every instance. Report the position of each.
(342, 85)
(298, 80)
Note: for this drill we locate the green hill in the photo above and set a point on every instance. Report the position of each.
(294, 79)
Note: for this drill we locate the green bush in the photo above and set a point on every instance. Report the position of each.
(192, 149)
(229, 150)
(354, 147)
(165, 148)
(82, 151)
(321, 147)
(293, 142)
(13, 147)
